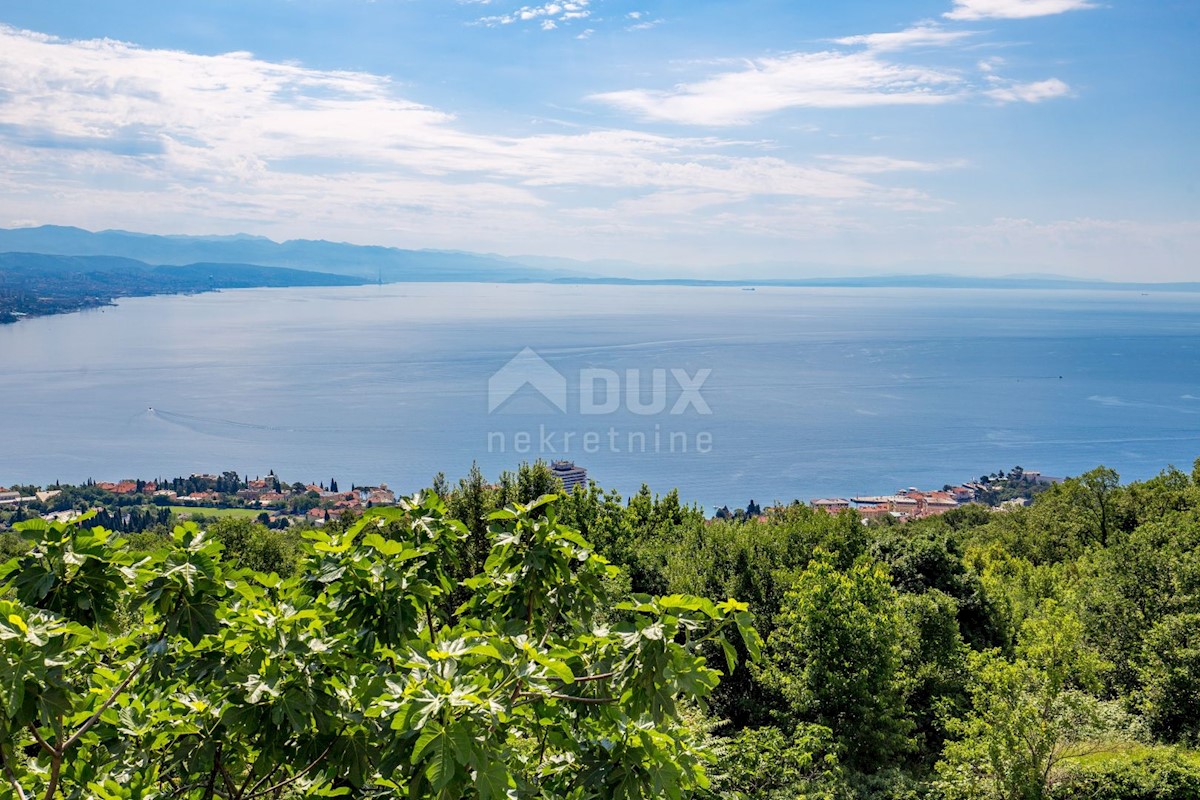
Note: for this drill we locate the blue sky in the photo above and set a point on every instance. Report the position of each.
(760, 137)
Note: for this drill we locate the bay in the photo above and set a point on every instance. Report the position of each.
(812, 391)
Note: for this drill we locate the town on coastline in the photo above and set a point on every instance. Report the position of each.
(1003, 490)
(1000, 491)
(136, 504)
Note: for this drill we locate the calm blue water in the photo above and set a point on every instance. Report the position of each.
(812, 392)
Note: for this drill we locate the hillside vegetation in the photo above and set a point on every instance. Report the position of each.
(492, 640)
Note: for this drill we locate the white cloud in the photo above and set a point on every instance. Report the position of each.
(871, 75)
(1013, 9)
(673, 202)
(1034, 92)
(108, 134)
(924, 35)
(989, 65)
(871, 165)
(815, 80)
(550, 14)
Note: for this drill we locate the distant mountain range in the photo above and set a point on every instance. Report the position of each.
(389, 264)
(213, 275)
(304, 257)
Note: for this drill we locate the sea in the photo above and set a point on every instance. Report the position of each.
(728, 394)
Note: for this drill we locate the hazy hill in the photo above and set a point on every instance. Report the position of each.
(35, 284)
(32, 266)
(395, 265)
(390, 264)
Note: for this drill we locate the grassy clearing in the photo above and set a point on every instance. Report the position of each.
(194, 511)
(1113, 751)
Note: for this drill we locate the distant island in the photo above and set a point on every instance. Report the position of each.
(54, 269)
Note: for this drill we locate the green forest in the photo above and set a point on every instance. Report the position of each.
(503, 640)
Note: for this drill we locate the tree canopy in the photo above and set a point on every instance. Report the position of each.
(174, 673)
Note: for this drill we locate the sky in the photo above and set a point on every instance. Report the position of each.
(759, 138)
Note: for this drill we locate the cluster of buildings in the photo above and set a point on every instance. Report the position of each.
(269, 493)
(266, 492)
(334, 504)
(911, 503)
(316, 502)
(128, 487)
(9, 497)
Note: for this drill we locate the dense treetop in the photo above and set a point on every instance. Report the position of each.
(493, 640)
